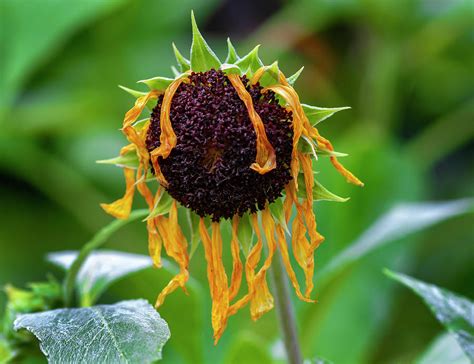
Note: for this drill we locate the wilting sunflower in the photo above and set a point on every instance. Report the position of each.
(227, 142)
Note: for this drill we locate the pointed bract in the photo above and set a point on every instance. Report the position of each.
(229, 68)
(157, 83)
(292, 79)
(250, 62)
(232, 55)
(203, 57)
(320, 193)
(317, 114)
(183, 63)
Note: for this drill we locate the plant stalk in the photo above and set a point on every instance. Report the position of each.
(96, 242)
(285, 312)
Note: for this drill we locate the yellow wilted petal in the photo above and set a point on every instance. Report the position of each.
(237, 266)
(121, 207)
(154, 243)
(176, 247)
(266, 157)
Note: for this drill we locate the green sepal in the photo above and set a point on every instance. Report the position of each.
(175, 71)
(129, 160)
(250, 62)
(193, 221)
(245, 233)
(136, 94)
(157, 83)
(232, 55)
(320, 193)
(183, 63)
(229, 68)
(203, 57)
(271, 75)
(317, 114)
(162, 206)
(278, 213)
(292, 79)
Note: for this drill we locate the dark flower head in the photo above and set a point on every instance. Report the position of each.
(227, 141)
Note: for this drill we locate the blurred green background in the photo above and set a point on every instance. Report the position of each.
(405, 67)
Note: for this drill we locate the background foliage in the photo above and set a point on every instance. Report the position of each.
(405, 67)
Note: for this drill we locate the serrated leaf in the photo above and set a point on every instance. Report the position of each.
(183, 63)
(245, 233)
(444, 349)
(129, 160)
(317, 114)
(401, 220)
(455, 312)
(250, 62)
(320, 193)
(229, 69)
(232, 55)
(203, 57)
(292, 79)
(126, 332)
(157, 83)
(100, 270)
(162, 206)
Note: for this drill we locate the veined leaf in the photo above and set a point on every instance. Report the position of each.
(250, 62)
(183, 63)
(232, 55)
(317, 114)
(203, 57)
(455, 312)
(129, 160)
(292, 79)
(126, 332)
(100, 270)
(157, 83)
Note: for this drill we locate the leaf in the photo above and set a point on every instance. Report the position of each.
(245, 233)
(271, 75)
(183, 63)
(129, 160)
(455, 312)
(444, 349)
(126, 332)
(229, 69)
(203, 57)
(292, 79)
(157, 83)
(163, 206)
(248, 348)
(317, 114)
(232, 55)
(100, 270)
(250, 62)
(136, 94)
(401, 220)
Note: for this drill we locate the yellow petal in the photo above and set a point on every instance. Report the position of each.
(121, 207)
(154, 243)
(266, 157)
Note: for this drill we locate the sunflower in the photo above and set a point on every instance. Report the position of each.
(227, 142)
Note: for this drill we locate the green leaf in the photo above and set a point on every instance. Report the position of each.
(183, 63)
(320, 193)
(245, 233)
(157, 83)
(229, 69)
(271, 75)
(292, 79)
(100, 270)
(175, 71)
(129, 160)
(250, 62)
(317, 114)
(126, 332)
(203, 57)
(455, 312)
(248, 348)
(136, 94)
(232, 55)
(444, 349)
(401, 220)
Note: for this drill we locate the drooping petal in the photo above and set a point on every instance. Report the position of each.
(266, 157)
(154, 243)
(237, 266)
(176, 247)
(121, 207)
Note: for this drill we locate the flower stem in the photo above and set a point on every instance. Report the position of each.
(285, 312)
(96, 242)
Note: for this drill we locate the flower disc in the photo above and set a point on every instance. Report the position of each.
(209, 170)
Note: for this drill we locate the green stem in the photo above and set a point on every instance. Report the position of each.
(285, 312)
(96, 242)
